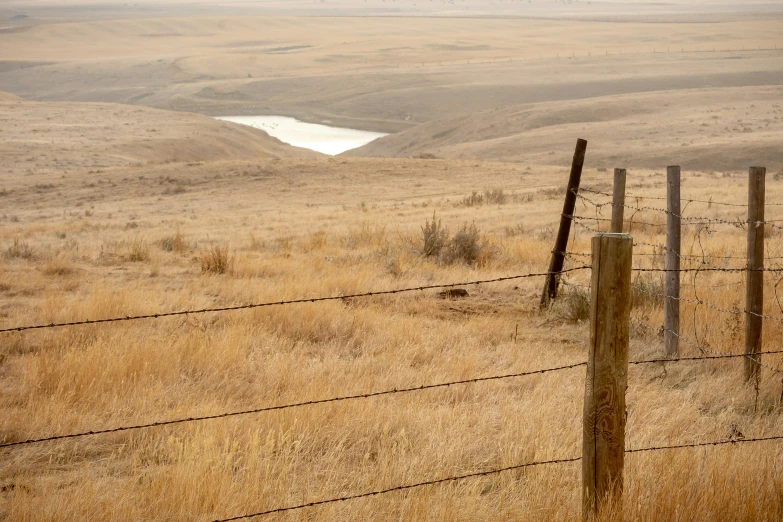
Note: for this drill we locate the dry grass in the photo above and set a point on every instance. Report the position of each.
(174, 243)
(93, 192)
(216, 260)
(101, 376)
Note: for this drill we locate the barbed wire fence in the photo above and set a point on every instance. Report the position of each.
(700, 260)
(704, 263)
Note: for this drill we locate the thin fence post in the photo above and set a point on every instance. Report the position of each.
(754, 290)
(618, 200)
(671, 304)
(603, 442)
(561, 242)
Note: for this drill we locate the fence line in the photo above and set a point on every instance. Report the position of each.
(552, 273)
(294, 405)
(490, 472)
(684, 257)
(686, 200)
(402, 488)
(690, 220)
(723, 355)
(292, 301)
(703, 349)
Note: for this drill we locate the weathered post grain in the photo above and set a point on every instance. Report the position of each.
(618, 200)
(754, 289)
(603, 443)
(561, 242)
(671, 304)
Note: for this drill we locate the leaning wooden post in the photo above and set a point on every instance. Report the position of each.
(561, 242)
(671, 303)
(603, 443)
(754, 290)
(618, 200)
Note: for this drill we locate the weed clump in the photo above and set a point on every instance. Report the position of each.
(466, 246)
(174, 243)
(58, 267)
(216, 260)
(20, 250)
(476, 199)
(138, 250)
(365, 235)
(494, 196)
(435, 237)
(573, 305)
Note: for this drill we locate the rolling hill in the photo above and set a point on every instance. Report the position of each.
(708, 129)
(41, 136)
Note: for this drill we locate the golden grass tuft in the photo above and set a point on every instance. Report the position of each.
(216, 260)
(137, 250)
(174, 243)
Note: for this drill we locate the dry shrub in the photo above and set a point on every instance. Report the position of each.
(174, 243)
(20, 250)
(474, 200)
(496, 196)
(435, 237)
(466, 245)
(216, 260)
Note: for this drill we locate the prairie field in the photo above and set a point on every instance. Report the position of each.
(122, 197)
(306, 228)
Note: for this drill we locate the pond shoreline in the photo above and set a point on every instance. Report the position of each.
(319, 137)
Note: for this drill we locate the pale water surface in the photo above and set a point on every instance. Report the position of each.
(321, 138)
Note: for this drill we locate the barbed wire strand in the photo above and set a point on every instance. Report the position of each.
(684, 257)
(722, 355)
(735, 311)
(703, 349)
(705, 357)
(293, 405)
(487, 473)
(292, 301)
(401, 488)
(687, 220)
(687, 200)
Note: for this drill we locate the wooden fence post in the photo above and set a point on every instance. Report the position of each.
(561, 242)
(603, 443)
(754, 288)
(671, 304)
(618, 200)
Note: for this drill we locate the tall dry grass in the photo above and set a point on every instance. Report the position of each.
(102, 376)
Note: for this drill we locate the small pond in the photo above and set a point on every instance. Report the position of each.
(321, 138)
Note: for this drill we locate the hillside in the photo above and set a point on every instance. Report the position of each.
(353, 72)
(63, 135)
(710, 129)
